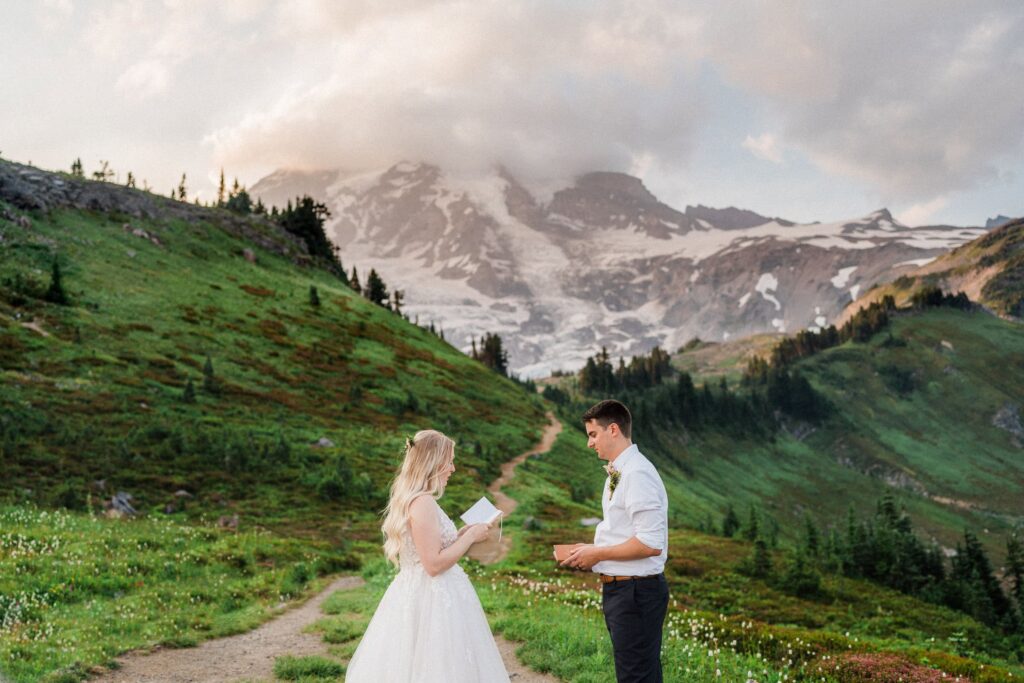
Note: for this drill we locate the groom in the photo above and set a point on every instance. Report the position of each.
(630, 546)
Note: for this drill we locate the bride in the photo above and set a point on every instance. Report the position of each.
(429, 627)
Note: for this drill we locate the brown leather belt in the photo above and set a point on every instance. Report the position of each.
(607, 578)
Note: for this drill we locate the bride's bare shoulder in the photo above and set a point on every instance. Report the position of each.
(422, 505)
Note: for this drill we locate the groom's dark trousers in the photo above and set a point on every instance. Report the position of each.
(634, 611)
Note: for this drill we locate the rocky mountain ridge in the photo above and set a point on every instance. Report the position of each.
(602, 262)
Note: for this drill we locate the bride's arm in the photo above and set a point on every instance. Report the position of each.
(426, 536)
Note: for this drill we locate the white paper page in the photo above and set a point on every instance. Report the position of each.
(482, 512)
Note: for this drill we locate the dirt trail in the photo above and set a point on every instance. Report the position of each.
(225, 660)
(492, 550)
(250, 656)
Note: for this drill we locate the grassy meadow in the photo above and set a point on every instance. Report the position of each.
(185, 364)
(297, 431)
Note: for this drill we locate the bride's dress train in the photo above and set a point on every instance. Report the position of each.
(428, 629)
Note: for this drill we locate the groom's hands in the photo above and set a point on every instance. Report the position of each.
(583, 556)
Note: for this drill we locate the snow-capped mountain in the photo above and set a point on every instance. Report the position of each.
(600, 262)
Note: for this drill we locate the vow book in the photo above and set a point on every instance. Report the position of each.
(482, 512)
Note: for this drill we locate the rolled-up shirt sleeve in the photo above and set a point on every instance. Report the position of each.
(646, 510)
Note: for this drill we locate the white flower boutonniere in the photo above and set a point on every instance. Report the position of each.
(613, 479)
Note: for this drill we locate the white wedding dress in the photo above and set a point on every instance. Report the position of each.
(428, 629)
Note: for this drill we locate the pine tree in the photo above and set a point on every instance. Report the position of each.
(306, 221)
(182, 189)
(189, 395)
(210, 383)
(56, 294)
(376, 291)
(730, 523)
(397, 299)
(130, 181)
(492, 354)
(221, 189)
(314, 296)
(750, 532)
(353, 282)
(1015, 571)
(761, 561)
(812, 539)
(76, 168)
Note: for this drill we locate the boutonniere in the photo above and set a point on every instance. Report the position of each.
(613, 479)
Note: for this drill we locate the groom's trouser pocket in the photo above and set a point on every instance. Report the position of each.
(634, 612)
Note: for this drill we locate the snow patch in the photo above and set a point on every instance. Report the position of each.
(820, 321)
(779, 324)
(768, 283)
(854, 291)
(743, 299)
(694, 276)
(843, 277)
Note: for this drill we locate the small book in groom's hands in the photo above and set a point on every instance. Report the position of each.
(482, 512)
(563, 551)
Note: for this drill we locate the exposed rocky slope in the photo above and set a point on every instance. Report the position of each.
(990, 270)
(602, 262)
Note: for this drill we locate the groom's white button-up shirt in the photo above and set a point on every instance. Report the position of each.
(638, 507)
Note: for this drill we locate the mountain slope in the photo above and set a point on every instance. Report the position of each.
(989, 269)
(602, 262)
(93, 394)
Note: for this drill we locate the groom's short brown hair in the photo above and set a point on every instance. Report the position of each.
(609, 411)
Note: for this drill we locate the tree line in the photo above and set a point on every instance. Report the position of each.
(884, 549)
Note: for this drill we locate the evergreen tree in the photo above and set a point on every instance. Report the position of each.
(492, 354)
(353, 282)
(210, 383)
(306, 220)
(800, 578)
(397, 299)
(221, 189)
(314, 296)
(56, 294)
(76, 168)
(182, 189)
(730, 523)
(189, 394)
(376, 291)
(239, 200)
(751, 531)
(761, 561)
(130, 181)
(812, 539)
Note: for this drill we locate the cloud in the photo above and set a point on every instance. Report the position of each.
(764, 146)
(905, 101)
(921, 214)
(545, 89)
(144, 79)
(913, 98)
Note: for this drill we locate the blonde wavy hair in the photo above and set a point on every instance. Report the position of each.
(426, 454)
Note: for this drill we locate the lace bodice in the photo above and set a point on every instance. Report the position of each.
(409, 558)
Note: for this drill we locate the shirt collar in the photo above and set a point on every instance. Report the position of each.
(624, 457)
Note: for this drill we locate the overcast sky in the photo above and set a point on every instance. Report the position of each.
(807, 110)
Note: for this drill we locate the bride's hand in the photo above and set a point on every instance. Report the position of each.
(476, 532)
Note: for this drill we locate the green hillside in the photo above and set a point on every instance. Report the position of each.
(190, 356)
(926, 408)
(94, 391)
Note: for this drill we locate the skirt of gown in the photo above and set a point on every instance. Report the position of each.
(428, 630)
